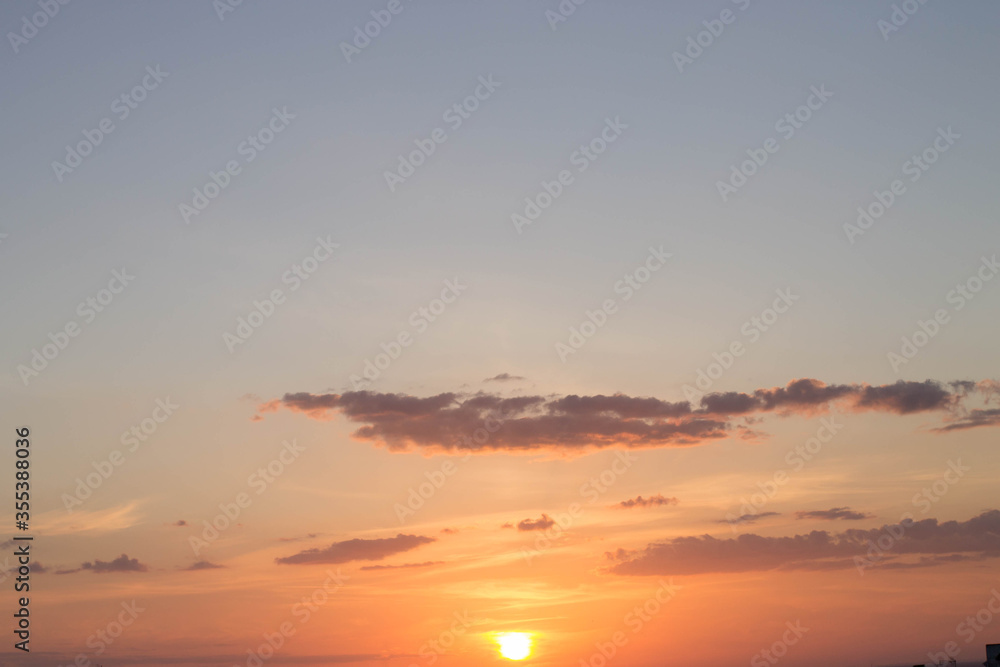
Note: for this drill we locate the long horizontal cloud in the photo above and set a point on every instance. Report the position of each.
(404, 566)
(357, 549)
(832, 514)
(482, 422)
(936, 543)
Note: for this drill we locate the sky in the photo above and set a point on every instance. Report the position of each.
(401, 332)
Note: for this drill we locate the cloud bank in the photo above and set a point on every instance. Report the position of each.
(486, 422)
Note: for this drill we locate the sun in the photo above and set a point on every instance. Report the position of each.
(514, 645)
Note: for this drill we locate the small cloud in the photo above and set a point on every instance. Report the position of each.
(449, 531)
(505, 377)
(507, 525)
(651, 501)
(833, 514)
(536, 524)
(38, 568)
(404, 565)
(121, 564)
(180, 522)
(202, 565)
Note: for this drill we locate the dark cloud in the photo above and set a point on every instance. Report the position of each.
(180, 522)
(202, 565)
(38, 568)
(449, 531)
(485, 422)
(403, 566)
(357, 549)
(935, 543)
(542, 523)
(504, 377)
(749, 518)
(834, 513)
(121, 564)
(651, 501)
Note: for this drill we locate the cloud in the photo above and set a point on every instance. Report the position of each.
(403, 566)
(449, 422)
(504, 377)
(749, 518)
(179, 523)
(542, 523)
(38, 568)
(639, 501)
(832, 514)
(935, 543)
(449, 531)
(507, 525)
(202, 565)
(357, 549)
(121, 564)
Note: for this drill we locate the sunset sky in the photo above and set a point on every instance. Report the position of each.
(642, 332)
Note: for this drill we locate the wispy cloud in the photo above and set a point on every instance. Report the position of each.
(357, 549)
(112, 519)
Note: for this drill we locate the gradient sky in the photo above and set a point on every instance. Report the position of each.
(495, 347)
